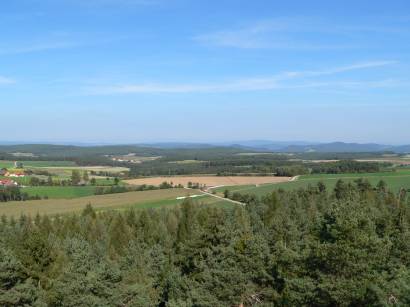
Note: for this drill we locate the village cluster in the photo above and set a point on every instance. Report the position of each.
(18, 172)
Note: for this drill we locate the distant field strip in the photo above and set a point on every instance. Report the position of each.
(110, 201)
(89, 168)
(34, 164)
(209, 180)
(401, 161)
(60, 191)
(395, 181)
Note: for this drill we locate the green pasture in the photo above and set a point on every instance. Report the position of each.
(120, 201)
(34, 164)
(56, 192)
(171, 202)
(395, 181)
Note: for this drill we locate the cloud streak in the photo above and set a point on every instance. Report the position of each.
(272, 34)
(6, 81)
(60, 41)
(308, 34)
(37, 47)
(292, 79)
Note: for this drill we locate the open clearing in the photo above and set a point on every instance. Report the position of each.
(60, 191)
(108, 169)
(397, 161)
(65, 172)
(187, 162)
(132, 158)
(209, 181)
(144, 199)
(395, 181)
(40, 164)
(63, 166)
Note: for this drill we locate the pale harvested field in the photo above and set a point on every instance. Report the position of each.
(209, 181)
(400, 161)
(88, 168)
(60, 206)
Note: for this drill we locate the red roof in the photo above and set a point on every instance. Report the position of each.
(7, 182)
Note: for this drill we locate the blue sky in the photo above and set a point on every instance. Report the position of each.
(128, 71)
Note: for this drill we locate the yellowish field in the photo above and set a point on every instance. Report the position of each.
(186, 162)
(209, 181)
(399, 161)
(108, 169)
(109, 201)
(134, 159)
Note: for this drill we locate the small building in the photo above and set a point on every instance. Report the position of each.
(16, 174)
(8, 183)
(18, 164)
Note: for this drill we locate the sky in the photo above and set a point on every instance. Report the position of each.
(130, 71)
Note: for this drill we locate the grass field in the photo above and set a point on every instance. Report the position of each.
(144, 199)
(65, 171)
(35, 164)
(395, 181)
(57, 192)
(105, 181)
(187, 162)
(109, 169)
(394, 160)
(207, 200)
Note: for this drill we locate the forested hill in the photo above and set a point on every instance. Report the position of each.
(75, 151)
(158, 148)
(312, 247)
(46, 150)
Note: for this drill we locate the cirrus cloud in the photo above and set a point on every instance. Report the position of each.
(290, 79)
(6, 80)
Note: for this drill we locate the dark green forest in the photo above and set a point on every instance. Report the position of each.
(209, 160)
(310, 247)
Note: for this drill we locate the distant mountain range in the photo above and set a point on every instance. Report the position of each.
(292, 147)
(251, 145)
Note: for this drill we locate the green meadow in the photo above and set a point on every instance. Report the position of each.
(56, 192)
(34, 164)
(395, 181)
(171, 202)
(61, 203)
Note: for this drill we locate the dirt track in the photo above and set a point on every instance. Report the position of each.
(209, 181)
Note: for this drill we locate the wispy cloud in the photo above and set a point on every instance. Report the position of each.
(6, 81)
(59, 41)
(229, 86)
(341, 69)
(291, 79)
(272, 34)
(293, 34)
(37, 47)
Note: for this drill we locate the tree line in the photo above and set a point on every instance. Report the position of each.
(347, 166)
(15, 194)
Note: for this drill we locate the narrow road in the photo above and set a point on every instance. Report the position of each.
(294, 178)
(223, 198)
(220, 197)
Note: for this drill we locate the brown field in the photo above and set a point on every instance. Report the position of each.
(399, 161)
(209, 181)
(109, 201)
(320, 161)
